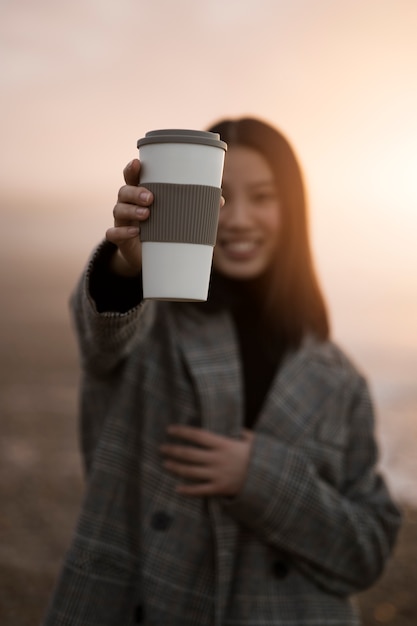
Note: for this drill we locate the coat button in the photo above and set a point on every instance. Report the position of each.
(161, 520)
(281, 569)
(138, 614)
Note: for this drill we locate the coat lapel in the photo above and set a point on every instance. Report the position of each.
(301, 387)
(211, 351)
(209, 345)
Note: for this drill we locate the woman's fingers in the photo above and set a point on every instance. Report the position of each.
(218, 462)
(131, 208)
(139, 196)
(126, 222)
(187, 454)
(119, 234)
(190, 472)
(196, 435)
(131, 213)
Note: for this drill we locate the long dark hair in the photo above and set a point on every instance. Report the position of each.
(294, 302)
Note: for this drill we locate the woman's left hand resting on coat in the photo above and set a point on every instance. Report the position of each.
(216, 465)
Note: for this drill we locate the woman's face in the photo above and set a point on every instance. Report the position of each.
(250, 220)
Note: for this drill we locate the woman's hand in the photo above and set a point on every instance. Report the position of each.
(216, 465)
(131, 208)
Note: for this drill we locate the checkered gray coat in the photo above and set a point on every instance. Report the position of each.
(313, 524)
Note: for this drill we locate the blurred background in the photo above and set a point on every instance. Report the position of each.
(81, 81)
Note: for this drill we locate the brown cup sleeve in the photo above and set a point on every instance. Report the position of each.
(182, 214)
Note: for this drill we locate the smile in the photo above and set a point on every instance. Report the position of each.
(239, 249)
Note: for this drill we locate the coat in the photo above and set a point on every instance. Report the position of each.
(313, 524)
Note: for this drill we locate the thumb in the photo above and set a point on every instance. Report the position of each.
(131, 172)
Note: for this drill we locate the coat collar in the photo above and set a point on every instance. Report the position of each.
(210, 348)
(301, 385)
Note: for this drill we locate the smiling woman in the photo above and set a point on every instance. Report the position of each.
(249, 223)
(267, 209)
(229, 445)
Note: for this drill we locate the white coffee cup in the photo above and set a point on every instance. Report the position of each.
(184, 170)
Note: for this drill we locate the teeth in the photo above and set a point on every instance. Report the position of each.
(240, 246)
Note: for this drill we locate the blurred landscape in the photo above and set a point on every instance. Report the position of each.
(81, 81)
(41, 478)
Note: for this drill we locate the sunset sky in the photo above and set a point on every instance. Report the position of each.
(82, 80)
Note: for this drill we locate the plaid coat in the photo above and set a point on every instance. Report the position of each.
(313, 524)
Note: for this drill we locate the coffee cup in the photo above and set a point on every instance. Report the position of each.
(184, 170)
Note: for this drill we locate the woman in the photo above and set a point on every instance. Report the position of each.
(229, 446)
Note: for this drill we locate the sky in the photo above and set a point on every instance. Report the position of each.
(82, 80)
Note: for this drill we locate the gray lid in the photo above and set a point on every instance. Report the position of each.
(176, 135)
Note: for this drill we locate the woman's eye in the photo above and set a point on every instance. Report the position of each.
(264, 198)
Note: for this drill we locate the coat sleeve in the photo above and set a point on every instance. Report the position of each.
(339, 538)
(105, 337)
